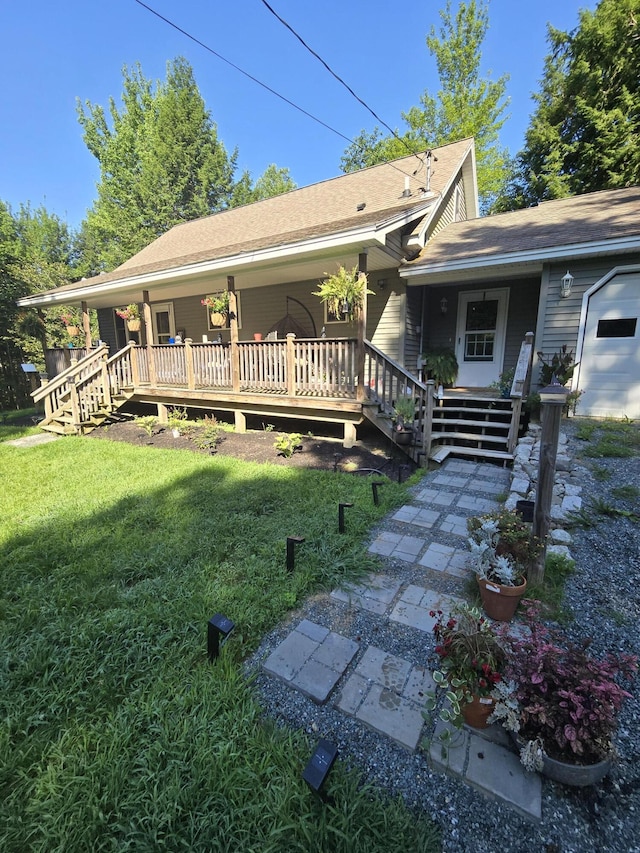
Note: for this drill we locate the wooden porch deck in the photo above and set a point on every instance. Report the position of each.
(333, 380)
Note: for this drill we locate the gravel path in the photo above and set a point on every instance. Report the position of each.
(603, 598)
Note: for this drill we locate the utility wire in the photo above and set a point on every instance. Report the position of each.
(242, 71)
(337, 77)
(268, 88)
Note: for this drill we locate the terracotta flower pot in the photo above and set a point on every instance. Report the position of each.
(476, 712)
(500, 602)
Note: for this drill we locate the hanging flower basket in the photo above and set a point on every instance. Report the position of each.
(134, 324)
(73, 331)
(218, 320)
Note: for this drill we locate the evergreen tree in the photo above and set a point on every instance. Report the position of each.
(585, 133)
(161, 163)
(466, 105)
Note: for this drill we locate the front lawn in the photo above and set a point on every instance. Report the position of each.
(116, 732)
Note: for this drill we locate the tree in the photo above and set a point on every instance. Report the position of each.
(13, 388)
(274, 181)
(465, 106)
(585, 132)
(161, 163)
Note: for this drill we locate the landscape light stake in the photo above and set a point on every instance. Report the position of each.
(292, 541)
(318, 767)
(341, 508)
(374, 487)
(218, 629)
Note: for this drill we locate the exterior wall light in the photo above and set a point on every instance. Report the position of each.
(444, 305)
(566, 283)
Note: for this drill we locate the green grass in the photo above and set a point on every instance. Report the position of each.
(610, 439)
(116, 732)
(10, 431)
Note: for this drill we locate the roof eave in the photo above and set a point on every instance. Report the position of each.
(426, 269)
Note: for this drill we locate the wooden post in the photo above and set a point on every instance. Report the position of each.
(86, 325)
(552, 400)
(427, 425)
(233, 325)
(291, 365)
(163, 413)
(361, 395)
(106, 384)
(135, 367)
(188, 355)
(148, 332)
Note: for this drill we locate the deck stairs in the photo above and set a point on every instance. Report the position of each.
(85, 395)
(472, 426)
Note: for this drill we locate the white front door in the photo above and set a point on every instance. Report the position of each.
(482, 323)
(164, 325)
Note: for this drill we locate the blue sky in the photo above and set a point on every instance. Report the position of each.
(53, 53)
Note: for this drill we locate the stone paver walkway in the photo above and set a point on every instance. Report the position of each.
(387, 693)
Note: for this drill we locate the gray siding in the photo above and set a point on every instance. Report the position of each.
(561, 316)
(448, 214)
(440, 329)
(386, 315)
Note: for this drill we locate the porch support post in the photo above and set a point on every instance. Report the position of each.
(148, 332)
(361, 331)
(163, 413)
(188, 354)
(349, 438)
(86, 325)
(240, 420)
(233, 324)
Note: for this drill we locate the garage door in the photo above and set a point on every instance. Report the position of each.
(609, 371)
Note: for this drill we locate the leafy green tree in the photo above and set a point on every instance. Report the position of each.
(466, 105)
(274, 181)
(585, 133)
(161, 163)
(13, 388)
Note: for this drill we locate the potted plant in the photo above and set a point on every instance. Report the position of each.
(502, 550)
(343, 293)
(561, 703)
(131, 314)
(471, 658)
(218, 305)
(504, 382)
(404, 413)
(441, 365)
(176, 421)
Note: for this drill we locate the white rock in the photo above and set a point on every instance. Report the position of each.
(559, 549)
(570, 489)
(520, 486)
(511, 501)
(560, 537)
(572, 503)
(558, 514)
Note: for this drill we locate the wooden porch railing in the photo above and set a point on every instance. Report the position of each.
(520, 388)
(57, 391)
(324, 368)
(387, 381)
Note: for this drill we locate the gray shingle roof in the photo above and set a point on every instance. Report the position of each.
(593, 217)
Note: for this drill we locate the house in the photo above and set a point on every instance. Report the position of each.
(569, 270)
(440, 276)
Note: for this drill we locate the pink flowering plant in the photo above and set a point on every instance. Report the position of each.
(471, 658)
(561, 700)
(218, 303)
(131, 312)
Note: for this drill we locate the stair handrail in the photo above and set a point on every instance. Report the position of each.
(520, 388)
(70, 373)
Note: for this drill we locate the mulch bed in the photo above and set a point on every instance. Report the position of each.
(373, 453)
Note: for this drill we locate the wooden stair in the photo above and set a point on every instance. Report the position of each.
(471, 426)
(62, 421)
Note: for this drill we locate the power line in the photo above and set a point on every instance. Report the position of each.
(242, 71)
(268, 88)
(337, 77)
